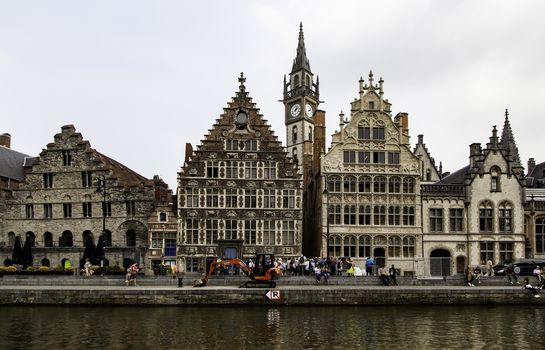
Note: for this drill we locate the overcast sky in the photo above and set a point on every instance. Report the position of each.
(139, 79)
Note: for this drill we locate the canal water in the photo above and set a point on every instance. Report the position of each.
(237, 327)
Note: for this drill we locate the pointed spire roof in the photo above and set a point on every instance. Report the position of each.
(301, 60)
(508, 143)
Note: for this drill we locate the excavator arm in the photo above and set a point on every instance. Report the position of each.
(225, 263)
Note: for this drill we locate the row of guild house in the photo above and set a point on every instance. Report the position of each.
(241, 192)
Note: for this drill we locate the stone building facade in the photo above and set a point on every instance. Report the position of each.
(534, 210)
(71, 192)
(476, 214)
(238, 192)
(372, 182)
(162, 231)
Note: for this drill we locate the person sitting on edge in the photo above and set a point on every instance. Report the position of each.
(384, 276)
(326, 272)
(469, 276)
(511, 275)
(537, 273)
(477, 275)
(526, 285)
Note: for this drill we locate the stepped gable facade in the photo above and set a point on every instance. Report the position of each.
(372, 182)
(71, 192)
(238, 192)
(476, 214)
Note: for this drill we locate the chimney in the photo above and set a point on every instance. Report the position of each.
(188, 152)
(5, 140)
(475, 152)
(531, 166)
(420, 139)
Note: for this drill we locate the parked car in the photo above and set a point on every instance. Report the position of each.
(522, 267)
(499, 269)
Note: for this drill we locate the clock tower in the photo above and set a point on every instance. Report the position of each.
(301, 98)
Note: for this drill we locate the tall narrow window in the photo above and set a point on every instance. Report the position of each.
(310, 133)
(86, 179)
(486, 217)
(378, 157)
(192, 231)
(269, 170)
(364, 133)
(269, 199)
(250, 145)
(456, 220)
(379, 215)
(408, 247)
(211, 231)
(212, 197)
(349, 214)
(393, 157)
(163, 217)
(67, 210)
(349, 157)
(29, 211)
(288, 232)
(495, 179)
(364, 247)
(540, 235)
(231, 197)
(349, 184)
(349, 245)
(436, 220)
(87, 209)
(48, 210)
(364, 184)
(48, 240)
(505, 213)
(231, 169)
(250, 232)
(364, 215)
(107, 208)
(250, 198)
(48, 180)
(294, 134)
(66, 158)
(394, 185)
(408, 185)
(379, 184)
(408, 216)
(378, 133)
(130, 236)
(231, 229)
(394, 247)
(288, 199)
(269, 232)
(250, 170)
(506, 251)
(192, 197)
(394, 215)
(334, 184)
(335, 214)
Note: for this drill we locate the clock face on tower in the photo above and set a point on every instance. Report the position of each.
(295, 110)
(309, 111)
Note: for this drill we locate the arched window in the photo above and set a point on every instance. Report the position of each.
(308, 81)
(162, 217)
(296, 81)
(364, 215)
(379, 184)
(394, 215)
(379, 215)
(540, 235)
(495, 173)
(45, 262)
(408, 185)
(85, 237)
(349, 214)
(294, 134)
(428, 175)
(32, 237)
(349, 184)
(349, 246)
(364, 246)
(486, 217)
(394, 185)
(48, 240)
(130, 238)
(66, 239)
(364, 184)
(334, 184)
(11, 239)
(294, 154)
(505, 214)
(394, 247)
(310, 133)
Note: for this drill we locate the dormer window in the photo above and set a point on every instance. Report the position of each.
(162, 217)
(495, 179)
(371, 105)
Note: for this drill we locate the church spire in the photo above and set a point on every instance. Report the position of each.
(507, 141)
(301, 60)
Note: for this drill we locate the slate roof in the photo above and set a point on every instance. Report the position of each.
(11, 163)
(536, 179)
(456, 177)
(125, 176)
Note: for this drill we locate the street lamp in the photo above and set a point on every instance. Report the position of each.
(326, 194)
(101, 187)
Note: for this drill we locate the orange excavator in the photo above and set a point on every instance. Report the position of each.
(261, 275)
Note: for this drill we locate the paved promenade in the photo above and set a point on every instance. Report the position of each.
(289, 291)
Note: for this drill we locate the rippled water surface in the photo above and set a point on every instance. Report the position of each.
(348, 327)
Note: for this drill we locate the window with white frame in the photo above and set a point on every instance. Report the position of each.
(505, 214)
(192, 197)
(212, 197)
(231, 227)
(288, 199)
(269, 232)
(349, 246)
(288, 232)
(250, 170)
(192, 231)
(231, 197)
(408, 216)
(269, 170)
(212, 169)
(486, 217)
(456, 219)
(364, 215)
(349, 214)
(394, 247)
(250, 232)
(408, 247)
(394, 215)
(269, 199)
(211, 231)
(250, 198)
(231, 169)
(436, 220)
(364, 246)
(487, 251)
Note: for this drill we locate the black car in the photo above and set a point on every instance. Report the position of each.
(522, 267)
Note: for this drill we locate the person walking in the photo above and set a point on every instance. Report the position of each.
(489, 268)
(393, 274)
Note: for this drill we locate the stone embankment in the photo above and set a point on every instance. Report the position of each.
(290, 291)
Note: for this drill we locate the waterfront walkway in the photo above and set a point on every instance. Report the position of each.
(290, 291)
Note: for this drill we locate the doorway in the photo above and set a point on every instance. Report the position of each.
(380, 257)
(440, 262)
